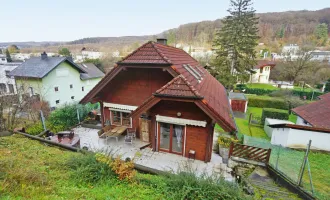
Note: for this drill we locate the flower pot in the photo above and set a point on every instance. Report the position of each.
(224, 152)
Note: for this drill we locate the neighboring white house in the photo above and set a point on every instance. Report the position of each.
(88, 54)
(3, 59)
(262, 72)
(315, 114)
(322, 56)
(268, 121)
(290, 50)
(57, 80)
(20, 56)
(298, 136)
(7, 83)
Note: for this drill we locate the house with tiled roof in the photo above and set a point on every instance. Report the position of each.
(168, 97)
(57, 80)
(262, 71)
(315, 114)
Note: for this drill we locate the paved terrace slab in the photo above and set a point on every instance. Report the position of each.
(146, 157)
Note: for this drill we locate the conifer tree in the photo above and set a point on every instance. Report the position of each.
(235, 44)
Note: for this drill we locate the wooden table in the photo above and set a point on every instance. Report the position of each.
(115, 132)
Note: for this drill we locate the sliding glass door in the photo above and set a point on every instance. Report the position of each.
(170, 138)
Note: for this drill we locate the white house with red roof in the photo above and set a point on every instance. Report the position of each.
(262, 71)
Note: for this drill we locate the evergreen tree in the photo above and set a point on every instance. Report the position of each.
(321, 33)
(235, 43)
(8, 56)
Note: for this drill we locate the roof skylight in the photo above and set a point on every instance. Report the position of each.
(192, 72)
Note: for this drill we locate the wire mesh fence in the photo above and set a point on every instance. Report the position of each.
(289, 162)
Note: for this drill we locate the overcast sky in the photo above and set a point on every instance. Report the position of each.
(66, 20)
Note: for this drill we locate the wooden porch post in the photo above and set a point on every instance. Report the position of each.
(102, 113)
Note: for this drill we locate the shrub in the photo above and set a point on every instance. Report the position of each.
(258, 91)
(66, 116)
(35, 129)
(298, 93)
(268, 103)
(281, 93)
(241, 87)
(124, 169)
(87, 170)
(274, 114)
(226, 141)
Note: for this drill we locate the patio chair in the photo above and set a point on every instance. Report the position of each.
(131, 132)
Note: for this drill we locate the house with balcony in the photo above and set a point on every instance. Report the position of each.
(171, 101)
(57, 80)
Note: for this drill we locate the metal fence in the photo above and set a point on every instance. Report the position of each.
(288, 162)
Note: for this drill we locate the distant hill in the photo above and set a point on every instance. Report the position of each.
(295, 25)
(290, 26)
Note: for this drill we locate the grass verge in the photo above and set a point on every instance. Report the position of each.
(31, 170)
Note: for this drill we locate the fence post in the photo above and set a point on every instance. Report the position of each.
(250, 118)
(78, 115)
(304, 163)
(310, 176)
(278, 157)
(231, 149)
(268, 155)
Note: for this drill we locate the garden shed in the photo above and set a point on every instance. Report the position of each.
(238, 102)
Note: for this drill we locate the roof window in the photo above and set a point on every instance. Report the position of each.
(193, 72)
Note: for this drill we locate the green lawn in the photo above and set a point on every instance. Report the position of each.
(261, 85)
(252, 130)
(290, 162)
(31, 170)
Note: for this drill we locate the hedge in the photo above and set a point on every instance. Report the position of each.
(274, 114)
(268, 103)
(298, 93)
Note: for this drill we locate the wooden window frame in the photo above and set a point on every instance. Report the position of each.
(171, 139)
(121, 119)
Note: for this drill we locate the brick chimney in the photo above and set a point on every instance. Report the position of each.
(44, 56)
(162, 41)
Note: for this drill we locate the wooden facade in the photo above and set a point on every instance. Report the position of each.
(179, 100)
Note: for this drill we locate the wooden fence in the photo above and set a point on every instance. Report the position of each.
(249, 152)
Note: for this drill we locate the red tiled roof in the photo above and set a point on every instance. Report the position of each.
(324, 96)
(316, 113)
(213, 93)
(178, 87)
(264, 63)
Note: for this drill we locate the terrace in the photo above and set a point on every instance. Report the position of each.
(144, 156)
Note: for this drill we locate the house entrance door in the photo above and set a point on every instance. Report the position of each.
(170, 138)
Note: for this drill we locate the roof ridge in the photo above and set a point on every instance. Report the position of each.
(191, 87)
(129, 55)
(160, 53)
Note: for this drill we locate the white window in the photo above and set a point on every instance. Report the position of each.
(71, 86)
(57, 101)
(56, 89)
